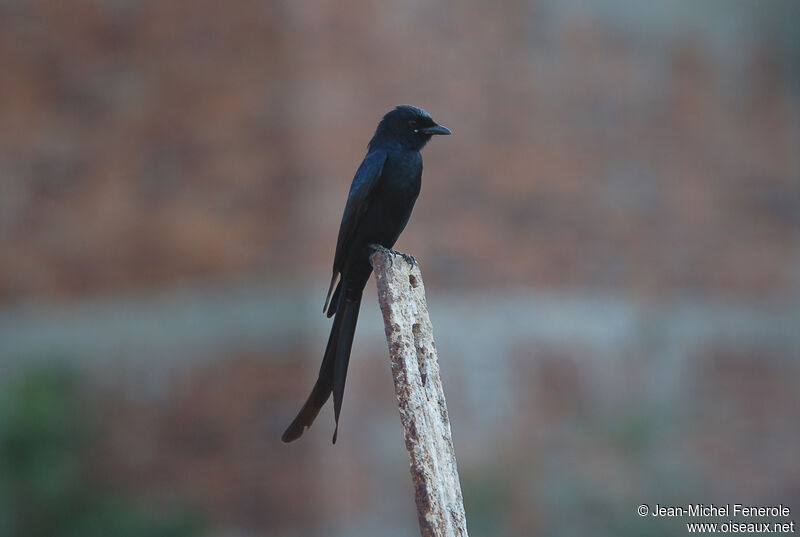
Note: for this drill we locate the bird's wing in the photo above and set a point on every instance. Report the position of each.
(363, 184)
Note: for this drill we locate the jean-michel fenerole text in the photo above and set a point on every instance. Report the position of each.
(720, 510)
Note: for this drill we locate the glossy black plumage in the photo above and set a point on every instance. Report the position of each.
(378, 207)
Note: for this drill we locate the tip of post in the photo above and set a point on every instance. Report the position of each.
(390, 255)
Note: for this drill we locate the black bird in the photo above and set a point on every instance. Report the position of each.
(379, 204)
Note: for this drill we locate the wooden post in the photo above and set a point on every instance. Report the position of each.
(423, 411)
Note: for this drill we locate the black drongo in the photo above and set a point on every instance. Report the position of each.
(379, 204)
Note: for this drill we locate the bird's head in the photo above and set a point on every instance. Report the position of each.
(409, 126)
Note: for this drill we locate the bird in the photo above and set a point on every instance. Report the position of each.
(379, 204)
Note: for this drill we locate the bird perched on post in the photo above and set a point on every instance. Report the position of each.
(378, 206)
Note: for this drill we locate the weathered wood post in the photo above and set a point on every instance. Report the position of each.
(423, 411)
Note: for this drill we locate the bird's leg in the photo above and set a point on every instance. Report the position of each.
(407, 257)
(383, 249)
(379, 248)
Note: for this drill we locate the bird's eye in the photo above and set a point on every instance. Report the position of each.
(412, 123)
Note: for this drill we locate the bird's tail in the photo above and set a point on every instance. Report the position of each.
(332, 372)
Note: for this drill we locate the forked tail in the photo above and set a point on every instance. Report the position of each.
(332, 372)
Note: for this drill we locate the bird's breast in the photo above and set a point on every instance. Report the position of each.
(402, 174)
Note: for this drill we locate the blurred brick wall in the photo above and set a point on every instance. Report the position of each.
(143, 143)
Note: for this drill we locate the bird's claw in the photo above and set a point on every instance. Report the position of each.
(378, 248)
(410, 259)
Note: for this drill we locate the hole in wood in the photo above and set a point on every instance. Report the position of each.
(412, 280)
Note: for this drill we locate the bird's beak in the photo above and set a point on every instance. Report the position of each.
(436, 129)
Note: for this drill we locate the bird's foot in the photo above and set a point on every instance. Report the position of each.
(378, 248)
(410, 259)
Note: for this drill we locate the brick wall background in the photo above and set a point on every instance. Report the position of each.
(610, 240)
